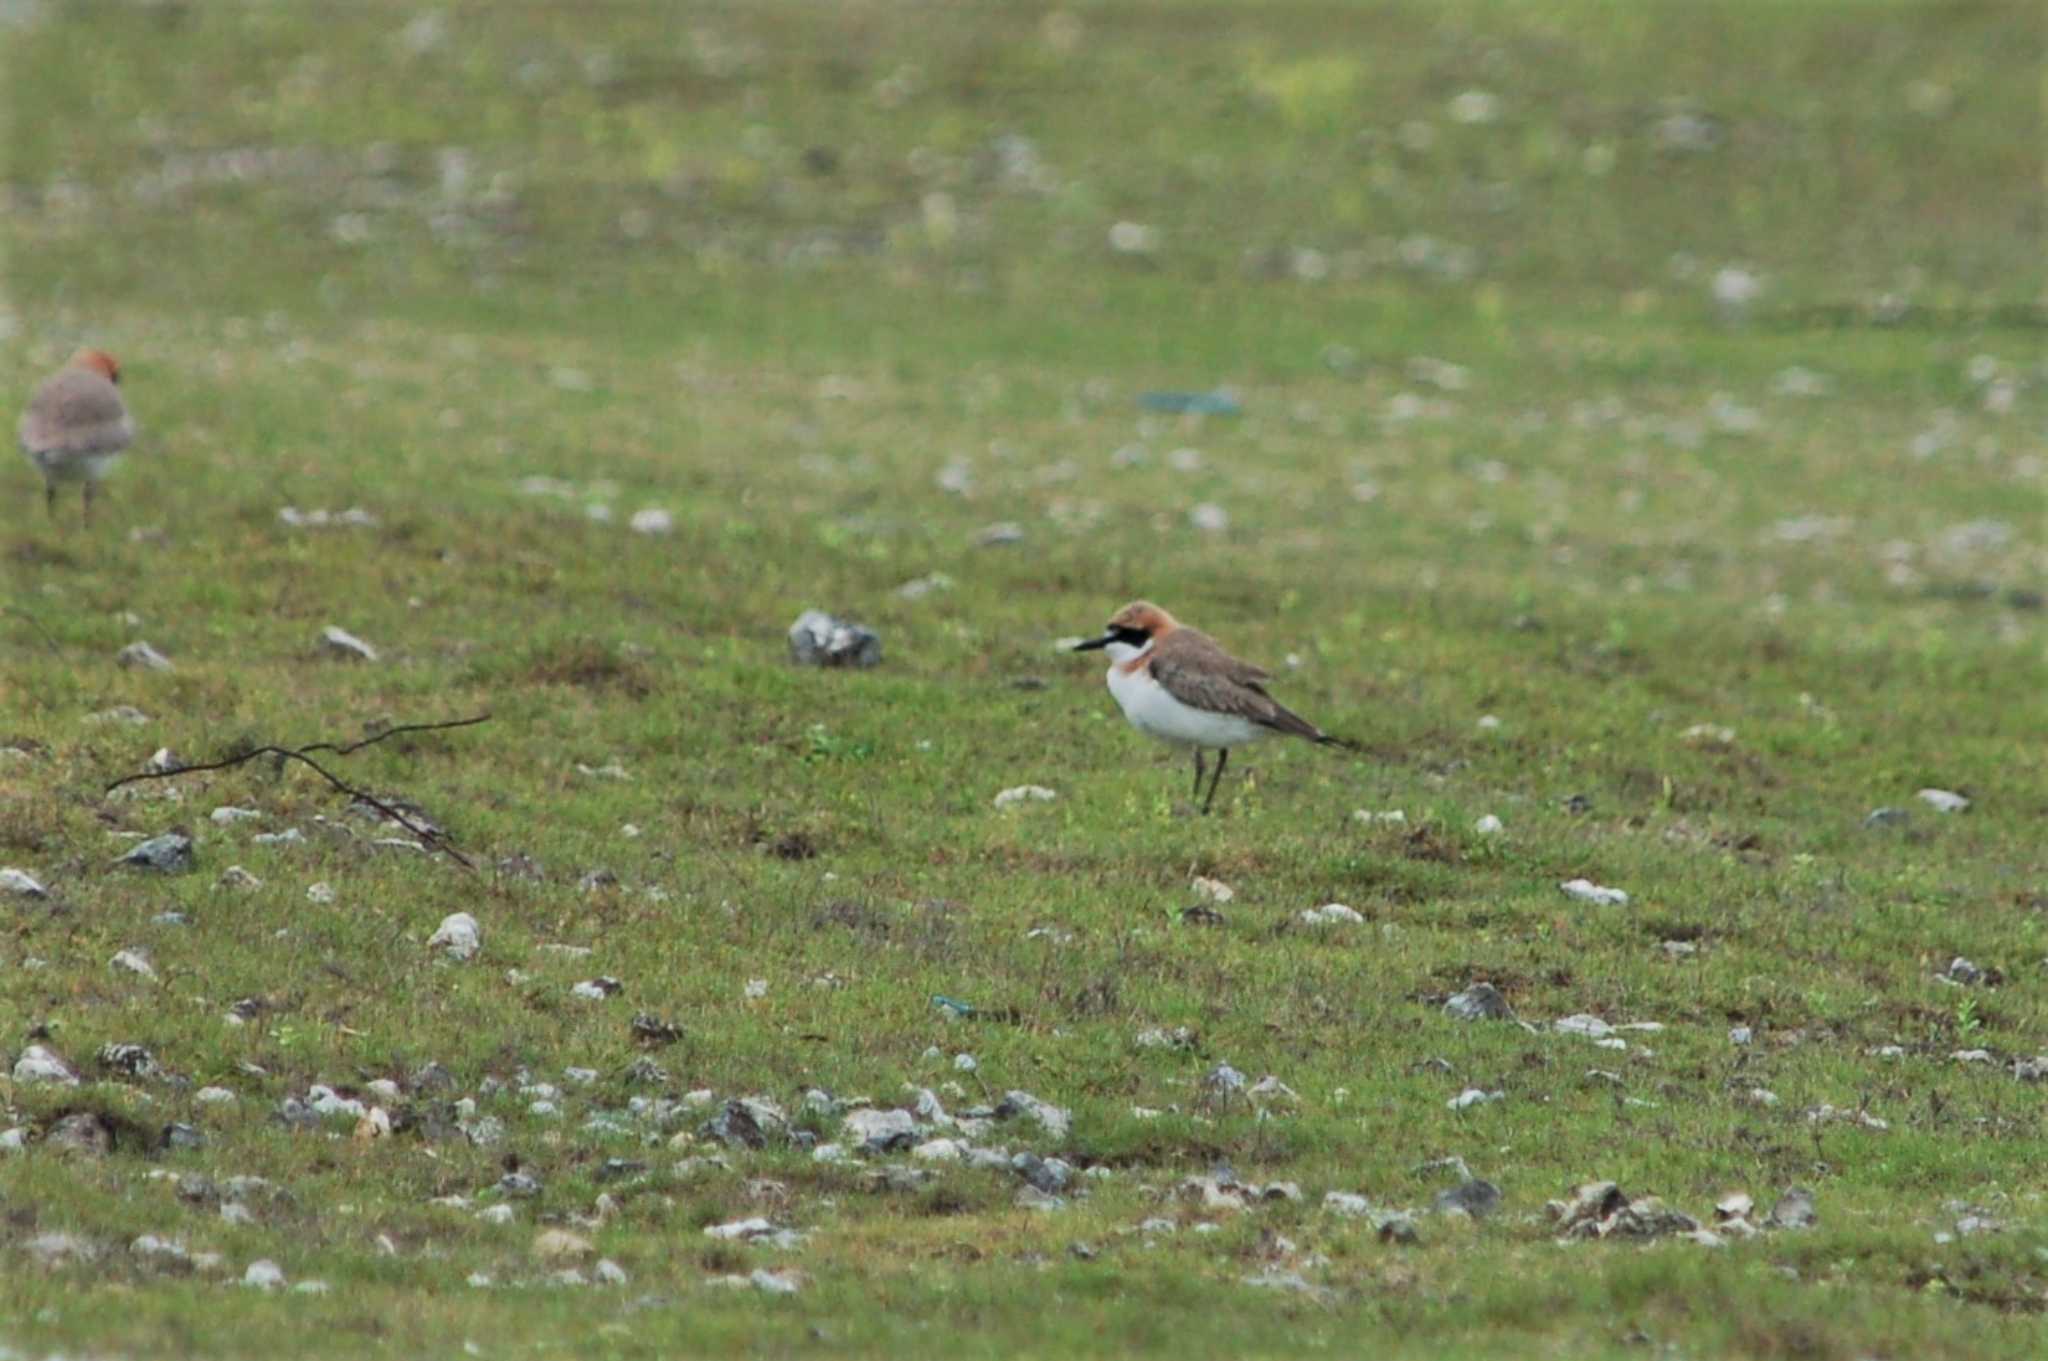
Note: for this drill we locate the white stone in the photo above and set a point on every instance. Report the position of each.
(458, 935)
(135, 962)
(342, 643)
(1024, 793)
(1586, 891)
(869, 1123)
(13, 880)
(263, 1274)
(1943, 800)
(1329, 914)
(38, 1064)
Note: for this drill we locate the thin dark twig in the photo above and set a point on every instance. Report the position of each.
(393, 732)
(429, 838)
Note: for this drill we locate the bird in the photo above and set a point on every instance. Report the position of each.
(1177, 684)
(76, 425)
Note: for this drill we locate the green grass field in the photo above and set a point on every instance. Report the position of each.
(1611, 376)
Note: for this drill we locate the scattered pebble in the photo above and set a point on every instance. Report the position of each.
(170, 853)
(1480, 1002)
(819, 639)
(1794, 1210)
(1489, 826)
(652, 520)
(1586, 891)
(458, 936)
(1474, 1196)
(1025, 793)
(141, 654)
(13, 880)
(263, 1274)
(1943, 800)
(134, 961)
(339, 642)
(1329, 914)
(1472, 1096)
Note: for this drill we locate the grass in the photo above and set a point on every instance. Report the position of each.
(772, 270)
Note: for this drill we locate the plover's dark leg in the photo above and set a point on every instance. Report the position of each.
(50, 496)
(1198, 773)
(89, 485)
(1222, 758)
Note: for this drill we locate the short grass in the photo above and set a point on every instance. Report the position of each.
(775, 270)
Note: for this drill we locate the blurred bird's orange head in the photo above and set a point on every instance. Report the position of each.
(100, 362)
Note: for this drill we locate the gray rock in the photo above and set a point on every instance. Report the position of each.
(1292, 1281)
(1054, 1120)
(135, 962)
(1887, 817)
(263, 1274)
(1794, 1210)
(458, 936)
(1031, 1198)
(170, 853)
(745, 1124)
(339, 642)
(519, 1186)
(165, 1254)
(131, 1059)
(141, 654)
(818, 639)
(880, 1131)
(121, 713)
(179, 1136)
(86, 1132)
(1477, 1198)
(1480, 1002)
(61, 1249)
(13, 880)
(38, 1064)
(1964, 971)
(1050, 1175)
(1000, 533)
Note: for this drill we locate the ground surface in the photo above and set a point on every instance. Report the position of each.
(840, 289)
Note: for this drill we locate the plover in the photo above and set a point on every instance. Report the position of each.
(1176, 684)
(77, 425)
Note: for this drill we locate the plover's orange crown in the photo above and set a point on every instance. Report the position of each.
(100, 362)
(1145, 617)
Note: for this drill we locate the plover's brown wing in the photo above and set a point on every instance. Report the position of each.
(77, 412)
(1190, 666)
